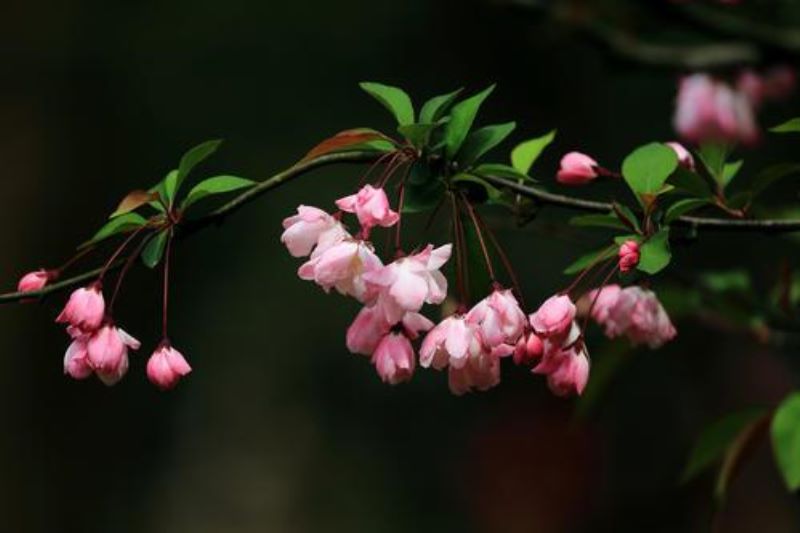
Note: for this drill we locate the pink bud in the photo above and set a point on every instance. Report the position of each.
(554, 317)
(85, 309)
(367, 330)
(528, 349)
(576, 169)
(628, 255)
(33, 281)
(394, 359)
(107, 351)
(371, 206)
(166, 366)
(685, 158)
(572, 374)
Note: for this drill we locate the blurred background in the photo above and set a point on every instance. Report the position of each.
(279, 428)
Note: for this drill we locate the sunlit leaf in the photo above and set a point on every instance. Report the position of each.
(481, 141)
(436, 107)
(462, 117)
(117, 225)
(786, 439)
(216, 185)
(525, 154)
(393, 99)
(417, 134)
(790, 126)
(654, 254)
(647, 168)
(729, 172)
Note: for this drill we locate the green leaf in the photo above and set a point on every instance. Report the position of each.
(786, 439)
(729, 172)
(713, 156)
(770, 175)
(436, 107)
(117, 225)
(461, 118)
(501, 171)
(654, 254)
(690, 182)
(154, 251)
(215, 185)
(493, 195)
(599, 221)
(352, 139)
(716, 439)
(481, 141)
(134, 200)
(790, 126)
(591, 258)
(647, 168)
(737, 453)
(424, 196)
(624, 214)
(190, 159)
(525, 154)
(681, 207)
(393, 99)
(417, 134)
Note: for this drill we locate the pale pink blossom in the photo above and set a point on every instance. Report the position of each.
(635, 313)
(76, 359)
(565, 362)
(33, 281)
(685, 158)
(303, 231)
(554, 317)
(449, 343)
(371, 206)
(528, 349)
(343, 266)
(107, 352)
(600, 301)
(394, 358)
(499, 318)
(166, 367)
(577, 169)
(85, 309)
(409, 282)
(481, 371)
(628, 255)
(367, 330)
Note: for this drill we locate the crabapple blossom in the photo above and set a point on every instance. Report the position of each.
(343, 266)
(628, 255)
(394, 358)
(449, 343)
(529, 348)
(303, 231)
(635, 313)
(576, 169)
(76, 359)
(166, 367)
(480, 371)
(554, 317)
(565, 362)
(371, 206)
(685, 158)
(33, 281)
(85, 308)
(499, 318)
(107, 352)
(367, 330)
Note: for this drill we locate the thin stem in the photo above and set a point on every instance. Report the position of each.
(165, 306)
(128, 264)
(72, 260)
(479, 233)
(602, 256)
(119, 250)
(459, 244)
(597, 295)
(503, 258)
(374, 165)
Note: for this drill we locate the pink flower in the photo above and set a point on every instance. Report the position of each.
(752, 86)
(76, 363)
(303, 231)
(107, 352)
(554, 317)
(576, 169)
(572, 374)
(343, 266)
(685, 158)
(166, 366)
(528, 349)
(499, 318)
(370, 206)
(481, 371)
(394, 359)
(637, 314)
(411, 281)
(85, 309)
(600, 301)
(449, 343)
(367, 330)
(33, 281)
(628, 255)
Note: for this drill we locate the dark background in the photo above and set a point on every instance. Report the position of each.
(279, 428)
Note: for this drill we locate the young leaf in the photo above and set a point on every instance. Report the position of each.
(713, 156)
(786, 439)
(591, 258)
(647, 168)
(654, 253)
(690, 182)
(598, 221)
(437, 106)
(681, 207)
(393, 99)
(729, 171)
(154, 251)
(525, 154)
(417, 134)
(344, 140)
(117, 225)
(191, 159)
(790, 126)
(134, 200)
(500, 171)
(481, 141)
(626, 216)
(461, 118)
(716, 439)
(215, 185)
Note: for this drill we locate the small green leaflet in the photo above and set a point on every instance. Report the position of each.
(525, 154)
(786, 439)
(713, 156)
(215, 185)
(417, 134)
(591, 258)
(654, 254)
(190, 159)
(392, 98)
(689, 182)
(481, 141)
(461, 118)
(117, 225)
(134, 200)
(716, 439)
(436, 107)
(681, 207)
(500, 171)
(626, 216)
(790, 126)
(729, 172)
(599, 221)
(647, 168)
(154, 251)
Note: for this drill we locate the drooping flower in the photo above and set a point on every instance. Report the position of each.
(577, 169)
(499, 318)
(481, 371)
(528, 349)
(371, 206)
(394, 358)
(449, 343)
(685, 158)
(600, 301)
(33, 281)
(409, 282)
(367, 330)
(635, 313)
(76, 359)
(554, 317)
(107, 352)
(565, 362)
(628, 255)
(303, 231)
(343, 266)
(85, 309)
(166, 367)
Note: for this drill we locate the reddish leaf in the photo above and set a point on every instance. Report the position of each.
(344, 139)
(134, 200)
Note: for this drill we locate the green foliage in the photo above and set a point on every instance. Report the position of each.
(713, 157)
(690, 182)
(462, 117)
(190, 159)
(790, 126)
(493, 195)
(393, 99)
(729, 171)
(418, 135)
(654, 254)
(481, 141)
(435, 108)
(215, 185)
(525, 154)
(626, 216)
(786, 439)
(115, 226)
(647, 168)
(154, 250)
(501, 171)
(681, 207)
